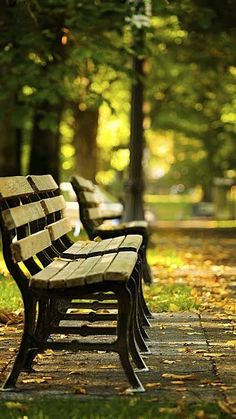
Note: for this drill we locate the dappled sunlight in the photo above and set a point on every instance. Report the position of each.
(205, 263)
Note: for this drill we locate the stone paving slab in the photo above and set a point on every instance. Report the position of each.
(189, 362)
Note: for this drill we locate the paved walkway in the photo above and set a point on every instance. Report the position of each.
(193, 359)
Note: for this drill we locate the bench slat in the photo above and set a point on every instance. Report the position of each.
(60, 279)
(25, 248)
(93, 213)
(24, 214)
(76, 248)
(96, 274)
(132, 241)
(64, 274)
(121, 267)
(56, 203)
(78, 276)
(42, 183)
(83, 184)
(59, 228)
(14, 186)
(90, 198)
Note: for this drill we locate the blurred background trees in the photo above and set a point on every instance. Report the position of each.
(66, 75)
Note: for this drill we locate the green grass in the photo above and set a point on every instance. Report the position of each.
(120, 407)
(170, 297)
(10, 298)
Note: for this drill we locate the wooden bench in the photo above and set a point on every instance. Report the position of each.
(47, 190)
(94, 216)
(51, 283)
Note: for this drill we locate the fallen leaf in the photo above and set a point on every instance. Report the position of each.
(105, 367)
(153, 385)
(231, 342)
(179, 382)
(79, 390)
(213, 354)
(167, 361)
(179, 376)
(226, 407)
(16, 405)
(36, 380)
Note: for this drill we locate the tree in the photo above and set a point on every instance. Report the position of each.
(191, 91)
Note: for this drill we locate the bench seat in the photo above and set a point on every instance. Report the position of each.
(96, 219)
(63, 274)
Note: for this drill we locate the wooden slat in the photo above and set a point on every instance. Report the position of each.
(102, 245)
(121, 267)
(14, 186)
(40, 280)
(59, 228)
(79, 275)
(60, 279)
(42, 183)
(108, 213)
(83, 184)
(24, 214)
(96, 274)
(132, 242)
(56, 203)
(136, 223)
(76, 248)
(83, 248)
(89, 198)
(29, 246)
(111, 227)
(115, 243)
(93, 213)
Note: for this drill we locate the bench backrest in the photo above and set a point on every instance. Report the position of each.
(24, 237)
(93, 210)
(34, 228)
(47, 190)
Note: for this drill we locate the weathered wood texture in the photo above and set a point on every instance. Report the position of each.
(24, 214)
(42, 183)
(14, 186)
(63, 274)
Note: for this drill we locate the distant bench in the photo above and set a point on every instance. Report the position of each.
(55, 276)
(94, 215)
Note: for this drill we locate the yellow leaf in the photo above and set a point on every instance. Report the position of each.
(35, 380)
(231, 342)
(213, 354)
(166, 361)
(153, 385)
(226, 407)
(179, 376)
(16, 405)
(105, 367)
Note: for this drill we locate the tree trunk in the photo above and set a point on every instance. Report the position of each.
(85, 141)
(9, 148)
(45, 145)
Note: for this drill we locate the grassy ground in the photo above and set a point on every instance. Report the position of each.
(122, 408)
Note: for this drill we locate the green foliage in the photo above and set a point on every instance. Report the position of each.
(190, 82)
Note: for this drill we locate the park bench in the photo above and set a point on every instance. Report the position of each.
(47, 190)
(94, 216)
(50, 283)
